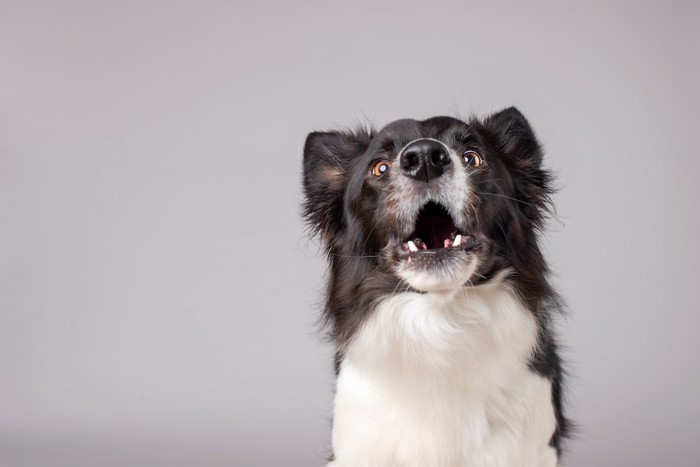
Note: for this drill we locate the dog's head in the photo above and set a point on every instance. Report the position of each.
(434, 205)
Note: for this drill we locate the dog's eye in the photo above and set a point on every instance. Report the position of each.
(380, 168)
(473, 158)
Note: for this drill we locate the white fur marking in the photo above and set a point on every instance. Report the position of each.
(442, 379)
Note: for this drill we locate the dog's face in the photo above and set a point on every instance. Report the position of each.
(436, 205)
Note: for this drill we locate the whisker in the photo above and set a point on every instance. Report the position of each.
(502, 229)
(354, 256)
(507, 197)
(489, 180)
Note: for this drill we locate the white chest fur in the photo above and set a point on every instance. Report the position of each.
(438, 380)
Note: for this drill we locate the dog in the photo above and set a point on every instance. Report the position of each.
(438, 299)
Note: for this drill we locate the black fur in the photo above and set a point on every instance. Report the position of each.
(351, 211)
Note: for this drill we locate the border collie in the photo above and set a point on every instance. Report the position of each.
(438, 300)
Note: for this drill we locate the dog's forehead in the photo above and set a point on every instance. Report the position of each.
(405, 130)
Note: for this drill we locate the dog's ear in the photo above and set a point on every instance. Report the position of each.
(326, 159)
(516, 141)
(515, 137)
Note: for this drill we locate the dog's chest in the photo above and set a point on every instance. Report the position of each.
(437, 380)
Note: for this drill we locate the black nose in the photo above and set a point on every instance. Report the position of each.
(424, 159)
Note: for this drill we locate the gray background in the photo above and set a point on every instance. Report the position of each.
(157, 290)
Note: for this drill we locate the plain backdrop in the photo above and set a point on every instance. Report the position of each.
(158, 292)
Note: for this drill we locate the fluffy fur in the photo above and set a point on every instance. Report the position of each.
(438, 300)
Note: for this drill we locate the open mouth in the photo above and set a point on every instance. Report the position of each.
(435, 232)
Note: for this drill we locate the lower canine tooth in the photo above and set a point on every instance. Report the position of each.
(447, 243)
(412, 246)
(458, 240)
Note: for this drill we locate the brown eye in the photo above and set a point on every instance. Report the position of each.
(473, 158)
(380, 168)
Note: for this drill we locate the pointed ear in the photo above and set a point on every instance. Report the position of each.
(517, 143)
(515, 137)
(326, 159)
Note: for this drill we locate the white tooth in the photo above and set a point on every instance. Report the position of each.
(458, 240)
(412, 246)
